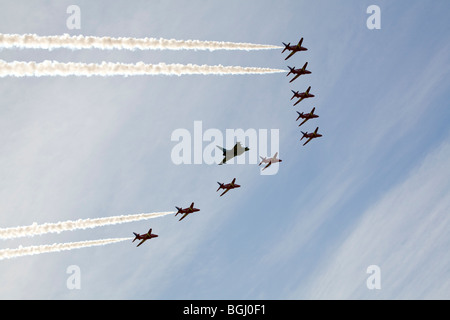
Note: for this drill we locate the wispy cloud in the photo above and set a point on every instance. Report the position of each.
(405, 234)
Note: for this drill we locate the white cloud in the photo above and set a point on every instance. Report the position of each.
(405, 234)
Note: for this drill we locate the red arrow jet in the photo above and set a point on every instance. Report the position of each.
(186, 211)
(303, 95)
(269, 161)
(228, 186)
(298, 72)
(306, 116)
(310, 136)
(294, 49)
(144, 237)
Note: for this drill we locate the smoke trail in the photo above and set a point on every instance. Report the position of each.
(35, 229)
(108, 43)
(54, 68)
(56, 247)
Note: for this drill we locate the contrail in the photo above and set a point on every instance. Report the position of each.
(35, 229)
(33, 41)
(54, 68)
(56, 247)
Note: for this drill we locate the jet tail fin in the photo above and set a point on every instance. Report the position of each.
(135, 236)
(262, 160)
(290, 70)
(220, 186)
(304, 133)
(295, 93)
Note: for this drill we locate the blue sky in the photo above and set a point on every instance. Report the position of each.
(372, 191)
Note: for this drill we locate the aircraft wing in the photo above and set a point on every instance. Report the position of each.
(184, 216)
(298, 101)
(223, 149)
(227, 157)
(223, 161)
(143, 240)
(270, 162)
(225, 192)
(303, 122)
(307, 141)
(298, 75)
(290, 54)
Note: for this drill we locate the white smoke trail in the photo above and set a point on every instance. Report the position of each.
(35, 229)
(54, 68)
(56, 247)
(34, 41)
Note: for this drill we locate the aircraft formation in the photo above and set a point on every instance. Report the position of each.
(238, 149)
(301, 95)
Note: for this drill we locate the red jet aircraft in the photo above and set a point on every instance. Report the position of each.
(311, 135)
(303, 95)
(227, 187)
(306, 116)
(269, 161)
(144, 237)
(186, 211)
(294, 49)
(298, 72)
